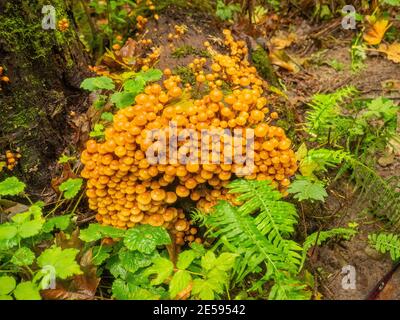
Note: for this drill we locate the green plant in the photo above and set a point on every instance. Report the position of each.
(19, 237)
(386, 242)
(142, 270)
(305, 189)
(259, 232)
(367, 180)
(226, 11)
(361, 127)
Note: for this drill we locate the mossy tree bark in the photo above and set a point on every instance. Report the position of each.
(46, 68)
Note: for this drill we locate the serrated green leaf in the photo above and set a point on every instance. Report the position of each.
(7, 284)
(11, 187)
(125, 291)
(60, 222)
(63, 261)
(225, 261)
(208, 260)
(135, 86)
(7, 231)
(30, 228)
(306, 189)
(71, 187)
(100, 254)
(150, 75)
(123, 99)
(185, 258)
(162, 268)
(23, 257)
(179, 282)
(145, 238)
(7, 244)
(96, 232)
(134, 260)
(93, 84)
(202, 289)
(27, 291)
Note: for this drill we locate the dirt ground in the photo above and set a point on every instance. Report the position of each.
(341, 207)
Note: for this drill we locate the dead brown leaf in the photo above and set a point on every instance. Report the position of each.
(392, 51)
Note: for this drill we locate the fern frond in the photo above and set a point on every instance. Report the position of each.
(275, 218)
(320, 120)
(261, 238)
(380, 195)
(287, 288)
(386, 242)
(241, 232)
(318, 238)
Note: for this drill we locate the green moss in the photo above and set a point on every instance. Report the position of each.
(187, 50)
(187, 75)
(264, 67)
(19, 32)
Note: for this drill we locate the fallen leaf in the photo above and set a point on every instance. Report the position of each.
(281, 59)
(375, 32)
(392, 51)
(281, 41)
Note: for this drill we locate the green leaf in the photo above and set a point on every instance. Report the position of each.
(100, 254)
(65, 159)
(162, 268)
(203, 289)
(60, 222)
(71, 187)
(179, 282)
(96, 232)
(5, 297)
(98, 131)
(93, 84)
(107, 116)
(7, 231)
(30, 228)
(225, 261)
(134, 260)
(123, 99)
(7, 284)
(306, 189)
(208, 260)
(11, 187)
(135, 86)
(145, 238)
(185, 258)
(23, 257)
(126, 291)
(150, 75)
(63, 261)
(27, 291)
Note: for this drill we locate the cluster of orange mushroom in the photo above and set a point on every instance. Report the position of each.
(126, 188)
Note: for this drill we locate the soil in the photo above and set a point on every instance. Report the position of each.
(341, 207)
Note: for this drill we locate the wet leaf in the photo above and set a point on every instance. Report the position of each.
(376, 31)
(392, 51)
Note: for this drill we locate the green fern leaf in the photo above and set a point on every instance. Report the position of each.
(386, 242)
